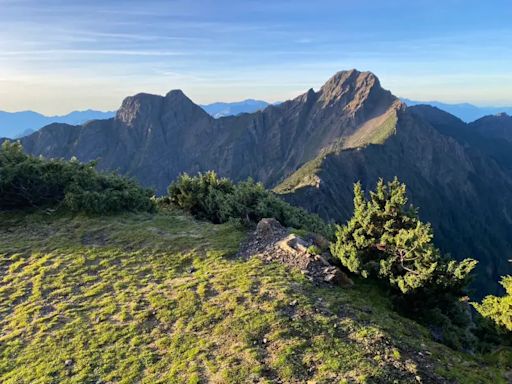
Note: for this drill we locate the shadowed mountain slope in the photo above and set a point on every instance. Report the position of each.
(154, 138)
(465, 194)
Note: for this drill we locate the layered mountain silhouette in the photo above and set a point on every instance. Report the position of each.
(18, 124)
(313, 148)
(464, 111)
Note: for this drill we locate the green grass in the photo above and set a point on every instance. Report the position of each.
(307, 174)
(304, 176)
(162, 299)
(374, 134)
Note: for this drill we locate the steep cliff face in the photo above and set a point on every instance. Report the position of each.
(312, 149)
(155, 138)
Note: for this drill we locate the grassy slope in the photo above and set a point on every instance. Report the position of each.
(376, 132)
(161, 299)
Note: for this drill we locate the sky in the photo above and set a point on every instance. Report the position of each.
(58, 56)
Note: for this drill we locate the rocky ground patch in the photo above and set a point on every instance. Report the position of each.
(273, 243)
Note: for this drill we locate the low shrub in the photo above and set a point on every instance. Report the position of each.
(499, 309)
(386, 240)
(35, 182)
(209, 197)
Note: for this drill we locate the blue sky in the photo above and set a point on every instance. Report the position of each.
(57, 56)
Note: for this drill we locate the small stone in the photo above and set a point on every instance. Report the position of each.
(68, 363)
(418, 379)
(293, 303)
(336, 276)
(293, 244)
(264, 340)
(322, 260)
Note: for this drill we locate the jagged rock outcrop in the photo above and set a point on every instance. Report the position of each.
(312, 149)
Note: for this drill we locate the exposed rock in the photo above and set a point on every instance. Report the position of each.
(293, 243)
(268, 228)
(445, 176)
(273, 243)
(323, 260)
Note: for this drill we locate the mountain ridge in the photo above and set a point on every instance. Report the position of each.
(317, 144)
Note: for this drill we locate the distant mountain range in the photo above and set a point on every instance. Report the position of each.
(18, 124)
(464, 111)
(228, 109)
(313, 148)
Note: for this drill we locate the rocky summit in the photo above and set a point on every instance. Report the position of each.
(313, 148)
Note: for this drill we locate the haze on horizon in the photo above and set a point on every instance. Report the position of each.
(57, 56)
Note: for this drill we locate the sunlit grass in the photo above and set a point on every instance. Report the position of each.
(162, 299)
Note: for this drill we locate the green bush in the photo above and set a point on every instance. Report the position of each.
(498, 309)
(386, 240)
(206, 196)
(35, 182)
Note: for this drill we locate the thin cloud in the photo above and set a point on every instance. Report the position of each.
(107, 52)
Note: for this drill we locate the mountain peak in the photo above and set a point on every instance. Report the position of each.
(144, 106)
(346, 85)
(176, 98)
(141, 104)
(177, 102)
(176, 93)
